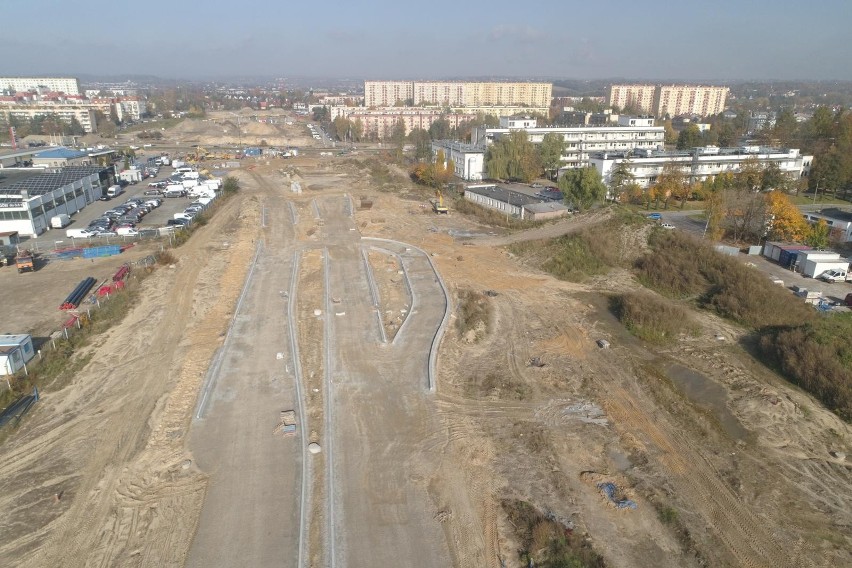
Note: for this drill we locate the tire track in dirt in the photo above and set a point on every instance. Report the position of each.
(698, 484)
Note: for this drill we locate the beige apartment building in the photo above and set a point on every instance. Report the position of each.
(638, 97)
(457, 93)
(672, 100)
(380, 123)
(85, 115)
(677, 100)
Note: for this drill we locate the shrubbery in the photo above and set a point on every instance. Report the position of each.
(651, 318)
(817, 357)
(681, 266)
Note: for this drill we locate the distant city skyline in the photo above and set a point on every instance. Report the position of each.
(719, 41)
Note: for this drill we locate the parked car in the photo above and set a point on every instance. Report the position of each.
(655, 216)
(834, 275)
(127, 231)
(848, 300)
(667, 226)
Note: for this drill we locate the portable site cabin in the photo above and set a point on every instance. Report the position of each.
(814, 263)
(15, 352)
(783, 253)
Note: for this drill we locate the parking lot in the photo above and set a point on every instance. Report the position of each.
(156, 218)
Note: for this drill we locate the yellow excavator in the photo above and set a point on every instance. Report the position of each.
(438, 203)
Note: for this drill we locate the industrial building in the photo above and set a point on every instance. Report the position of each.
(514, 204)
(468, 160)
(582, 141)
(699, 164)
(29, 200)
(61, 157)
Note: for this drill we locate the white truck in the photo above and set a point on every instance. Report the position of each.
(60, 221)
(174, 190)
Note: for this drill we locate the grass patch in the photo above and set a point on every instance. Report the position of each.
(650, 317)
(165, 257)
(547, 543)
(473, 313)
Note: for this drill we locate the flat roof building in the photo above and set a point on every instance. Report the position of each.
(28, 201)
(582, 141)
(457, 93)
(672, 100)
(468, 160)
(699, 164)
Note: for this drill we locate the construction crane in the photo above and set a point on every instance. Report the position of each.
(438, 203)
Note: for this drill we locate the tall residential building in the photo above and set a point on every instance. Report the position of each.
(65, 111)
(675, 100)
(387, 93)
(67, 85)
(457, 93)
(672, 100)
(637, 97)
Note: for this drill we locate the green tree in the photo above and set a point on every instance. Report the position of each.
(440, 129)
(340, 127)
(320, 114)
(670, 133)
(818, 234)
(621, 179)
(689, 137)
(785, 128)
(398, 133)
(550, 153)
(357, 130)
(422, 143)
(582, 187)
(513, 157)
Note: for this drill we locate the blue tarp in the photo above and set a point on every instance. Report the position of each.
(610, 490)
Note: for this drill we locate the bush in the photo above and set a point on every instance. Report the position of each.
(546, 541)
(474, 312)
(230, 185)
(681, 266)
(817, 357)
(651, 318)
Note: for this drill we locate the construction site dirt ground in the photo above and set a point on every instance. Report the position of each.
(728, 464)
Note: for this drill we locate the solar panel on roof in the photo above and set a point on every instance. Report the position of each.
(40, 184)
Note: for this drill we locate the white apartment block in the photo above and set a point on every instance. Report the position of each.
(677, 100)
(639, 97)
(130, 108)
(700, 164)
(583, 141)
(468, 160)
(457, 93)
(85, 115)
(672, 100)
(502, 110)
(67, 85)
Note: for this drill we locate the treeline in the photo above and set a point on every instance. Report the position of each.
(43, 125)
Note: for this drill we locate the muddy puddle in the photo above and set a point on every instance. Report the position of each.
(705, 393)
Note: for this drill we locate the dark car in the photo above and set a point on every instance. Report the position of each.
(848, 300)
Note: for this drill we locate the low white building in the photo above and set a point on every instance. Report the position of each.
(468, 160)
(699, 164)
(581, 142)
(514, 204)
(838, 221)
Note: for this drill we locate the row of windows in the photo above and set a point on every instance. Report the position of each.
(13, 215)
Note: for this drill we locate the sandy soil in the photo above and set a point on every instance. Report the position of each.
(747, 468)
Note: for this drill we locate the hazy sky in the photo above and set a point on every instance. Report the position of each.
(717, 40)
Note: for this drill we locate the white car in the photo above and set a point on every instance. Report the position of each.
(667, 226)
(127, 231)
(79, 233)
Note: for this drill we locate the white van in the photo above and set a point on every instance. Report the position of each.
(114, 191)
(79, 233)
(183, 170)
(60, 221)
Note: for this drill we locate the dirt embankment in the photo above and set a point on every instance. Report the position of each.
(99, 470)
